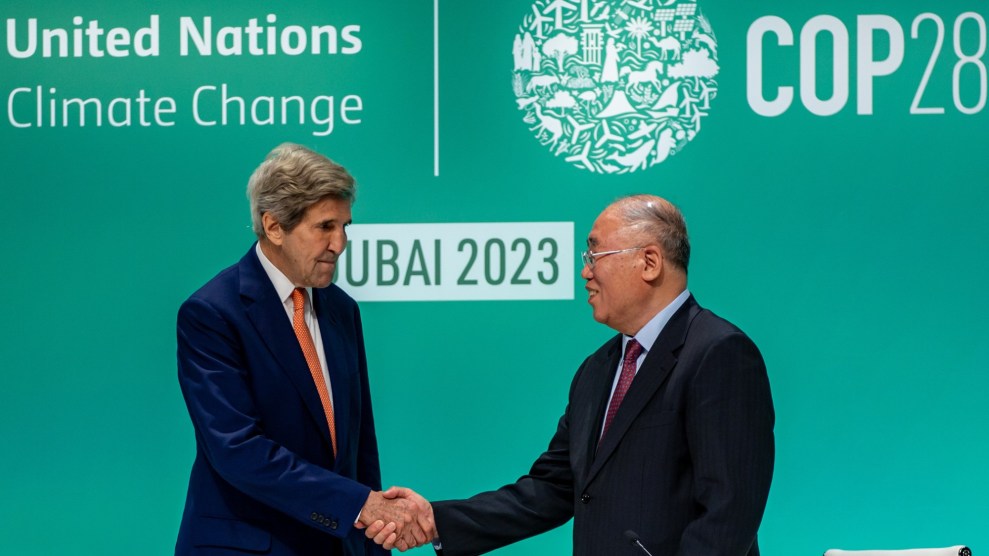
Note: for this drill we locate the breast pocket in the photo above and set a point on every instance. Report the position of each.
(655, 419)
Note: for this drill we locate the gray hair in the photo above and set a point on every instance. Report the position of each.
(655, 219)
(291, 179)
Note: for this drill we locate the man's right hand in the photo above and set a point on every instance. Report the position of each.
(398, 518)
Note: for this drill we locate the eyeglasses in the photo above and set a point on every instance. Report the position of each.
(589, 257)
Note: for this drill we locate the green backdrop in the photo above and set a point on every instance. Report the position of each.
(851, 247)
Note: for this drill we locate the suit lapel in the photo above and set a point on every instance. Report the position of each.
(588, 410)
(654, 371)
(267, 314)
(333, 345)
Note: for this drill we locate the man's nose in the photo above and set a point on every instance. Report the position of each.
(586, 273)
(338, 243)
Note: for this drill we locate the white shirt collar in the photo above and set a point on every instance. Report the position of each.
(283, 286)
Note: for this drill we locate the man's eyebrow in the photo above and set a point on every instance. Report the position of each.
(332, 221)
(592, 241)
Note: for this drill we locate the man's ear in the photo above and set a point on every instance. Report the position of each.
(272, 229)
(653, 267)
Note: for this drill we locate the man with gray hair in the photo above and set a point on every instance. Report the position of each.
(666, 445)
(272, 366)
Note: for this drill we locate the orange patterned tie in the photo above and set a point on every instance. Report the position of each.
(309, 350)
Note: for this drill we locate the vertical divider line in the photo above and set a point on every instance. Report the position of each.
(436, 88)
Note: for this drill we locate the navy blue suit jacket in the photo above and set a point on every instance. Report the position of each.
(264, 480)
(686, 463)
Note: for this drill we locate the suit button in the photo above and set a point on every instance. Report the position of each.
(333, 524)
(314, 516)
(585, 498)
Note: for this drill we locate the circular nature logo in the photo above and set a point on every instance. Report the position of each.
(615, 86)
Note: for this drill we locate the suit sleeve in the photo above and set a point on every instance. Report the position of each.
(537, 502)
(214, 381)
(729, 426)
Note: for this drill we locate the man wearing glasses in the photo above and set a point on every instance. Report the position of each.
(668, 432)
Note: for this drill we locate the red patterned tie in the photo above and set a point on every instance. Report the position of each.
(632, 351)
(312, 359)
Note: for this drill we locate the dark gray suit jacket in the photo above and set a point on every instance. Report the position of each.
(686, 464)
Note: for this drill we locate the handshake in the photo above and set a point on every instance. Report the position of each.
(397, 518)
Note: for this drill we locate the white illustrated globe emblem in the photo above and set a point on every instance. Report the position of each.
(615, 86)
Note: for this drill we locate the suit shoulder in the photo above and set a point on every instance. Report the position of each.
(222, 286)
(709, 331)
(710, 324)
